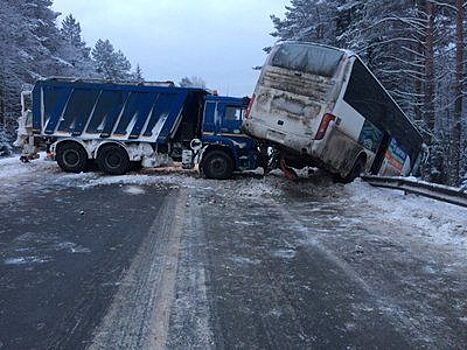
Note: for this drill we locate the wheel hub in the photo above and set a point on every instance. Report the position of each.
(113, 161)
(218, 166)
(71, 158)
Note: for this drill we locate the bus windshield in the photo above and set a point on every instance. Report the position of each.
(313, 59)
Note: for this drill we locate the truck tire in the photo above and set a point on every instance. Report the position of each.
(113, 160)
(72, 157)
(217, 165)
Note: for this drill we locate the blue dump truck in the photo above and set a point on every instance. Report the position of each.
(126, 126)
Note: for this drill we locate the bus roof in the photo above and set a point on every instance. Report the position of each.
(348, 53)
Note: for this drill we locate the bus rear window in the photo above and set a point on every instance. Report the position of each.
(316, 60)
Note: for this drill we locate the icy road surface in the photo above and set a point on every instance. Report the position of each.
(170, 260)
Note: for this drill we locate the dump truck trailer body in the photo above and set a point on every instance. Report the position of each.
(120, 125)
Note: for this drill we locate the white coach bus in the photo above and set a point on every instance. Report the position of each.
(322, 106)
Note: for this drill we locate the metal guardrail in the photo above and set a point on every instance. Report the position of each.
(439, 192)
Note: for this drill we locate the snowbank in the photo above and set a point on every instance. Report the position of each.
(12, 167)
(440, 221)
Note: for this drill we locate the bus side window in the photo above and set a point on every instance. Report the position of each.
(369, 98)
(370, 137)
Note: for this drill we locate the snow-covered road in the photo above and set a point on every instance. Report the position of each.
(250, 263)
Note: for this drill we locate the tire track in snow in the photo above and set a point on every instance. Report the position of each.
(138, 317)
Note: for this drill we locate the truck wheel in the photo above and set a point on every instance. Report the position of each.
(217, 165)
(113, 160)
(356, 171)
(72, 157)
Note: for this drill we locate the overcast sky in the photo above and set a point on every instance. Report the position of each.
(218, 40)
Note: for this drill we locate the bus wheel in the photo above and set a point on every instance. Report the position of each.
(72, 157)
(113, 159)
(356, 171)
(217, 165)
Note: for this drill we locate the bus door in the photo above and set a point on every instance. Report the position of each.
(380, 154)
(377, 141)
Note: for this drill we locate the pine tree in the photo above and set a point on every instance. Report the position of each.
(113, 65)
(138, 74)
(33, 47)
(41, 18)
(193, 82)
(71, 32)
(5, 142)
(74, 51)
(307, 20)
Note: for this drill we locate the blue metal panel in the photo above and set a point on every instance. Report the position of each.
(138, 106)
(70, 106)
(161, 107)
(108, 107)
(145, 109)
(174, 113)
(53, 111)
(168, 106)
(77, 111)
(209, 124)
(239, 145)
(83, 118)
(112, 118)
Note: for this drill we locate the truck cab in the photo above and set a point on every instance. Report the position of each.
(226, 148)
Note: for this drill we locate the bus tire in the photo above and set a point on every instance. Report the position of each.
(217, 165)
(356, 171)
(113, 159)
(72, 157)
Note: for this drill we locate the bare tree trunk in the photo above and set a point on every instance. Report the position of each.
(429, 69)
(2, 98)
(418, 91)
(419, 48)
(457, 124)
(435, 162)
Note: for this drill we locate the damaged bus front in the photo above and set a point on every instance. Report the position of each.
(321, 106)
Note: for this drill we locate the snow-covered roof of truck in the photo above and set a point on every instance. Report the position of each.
(106, 81)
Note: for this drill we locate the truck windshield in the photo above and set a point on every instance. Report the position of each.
(318, 60)
(234, 113)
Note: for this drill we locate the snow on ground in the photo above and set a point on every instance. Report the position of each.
(441, 222)
(11, 167)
